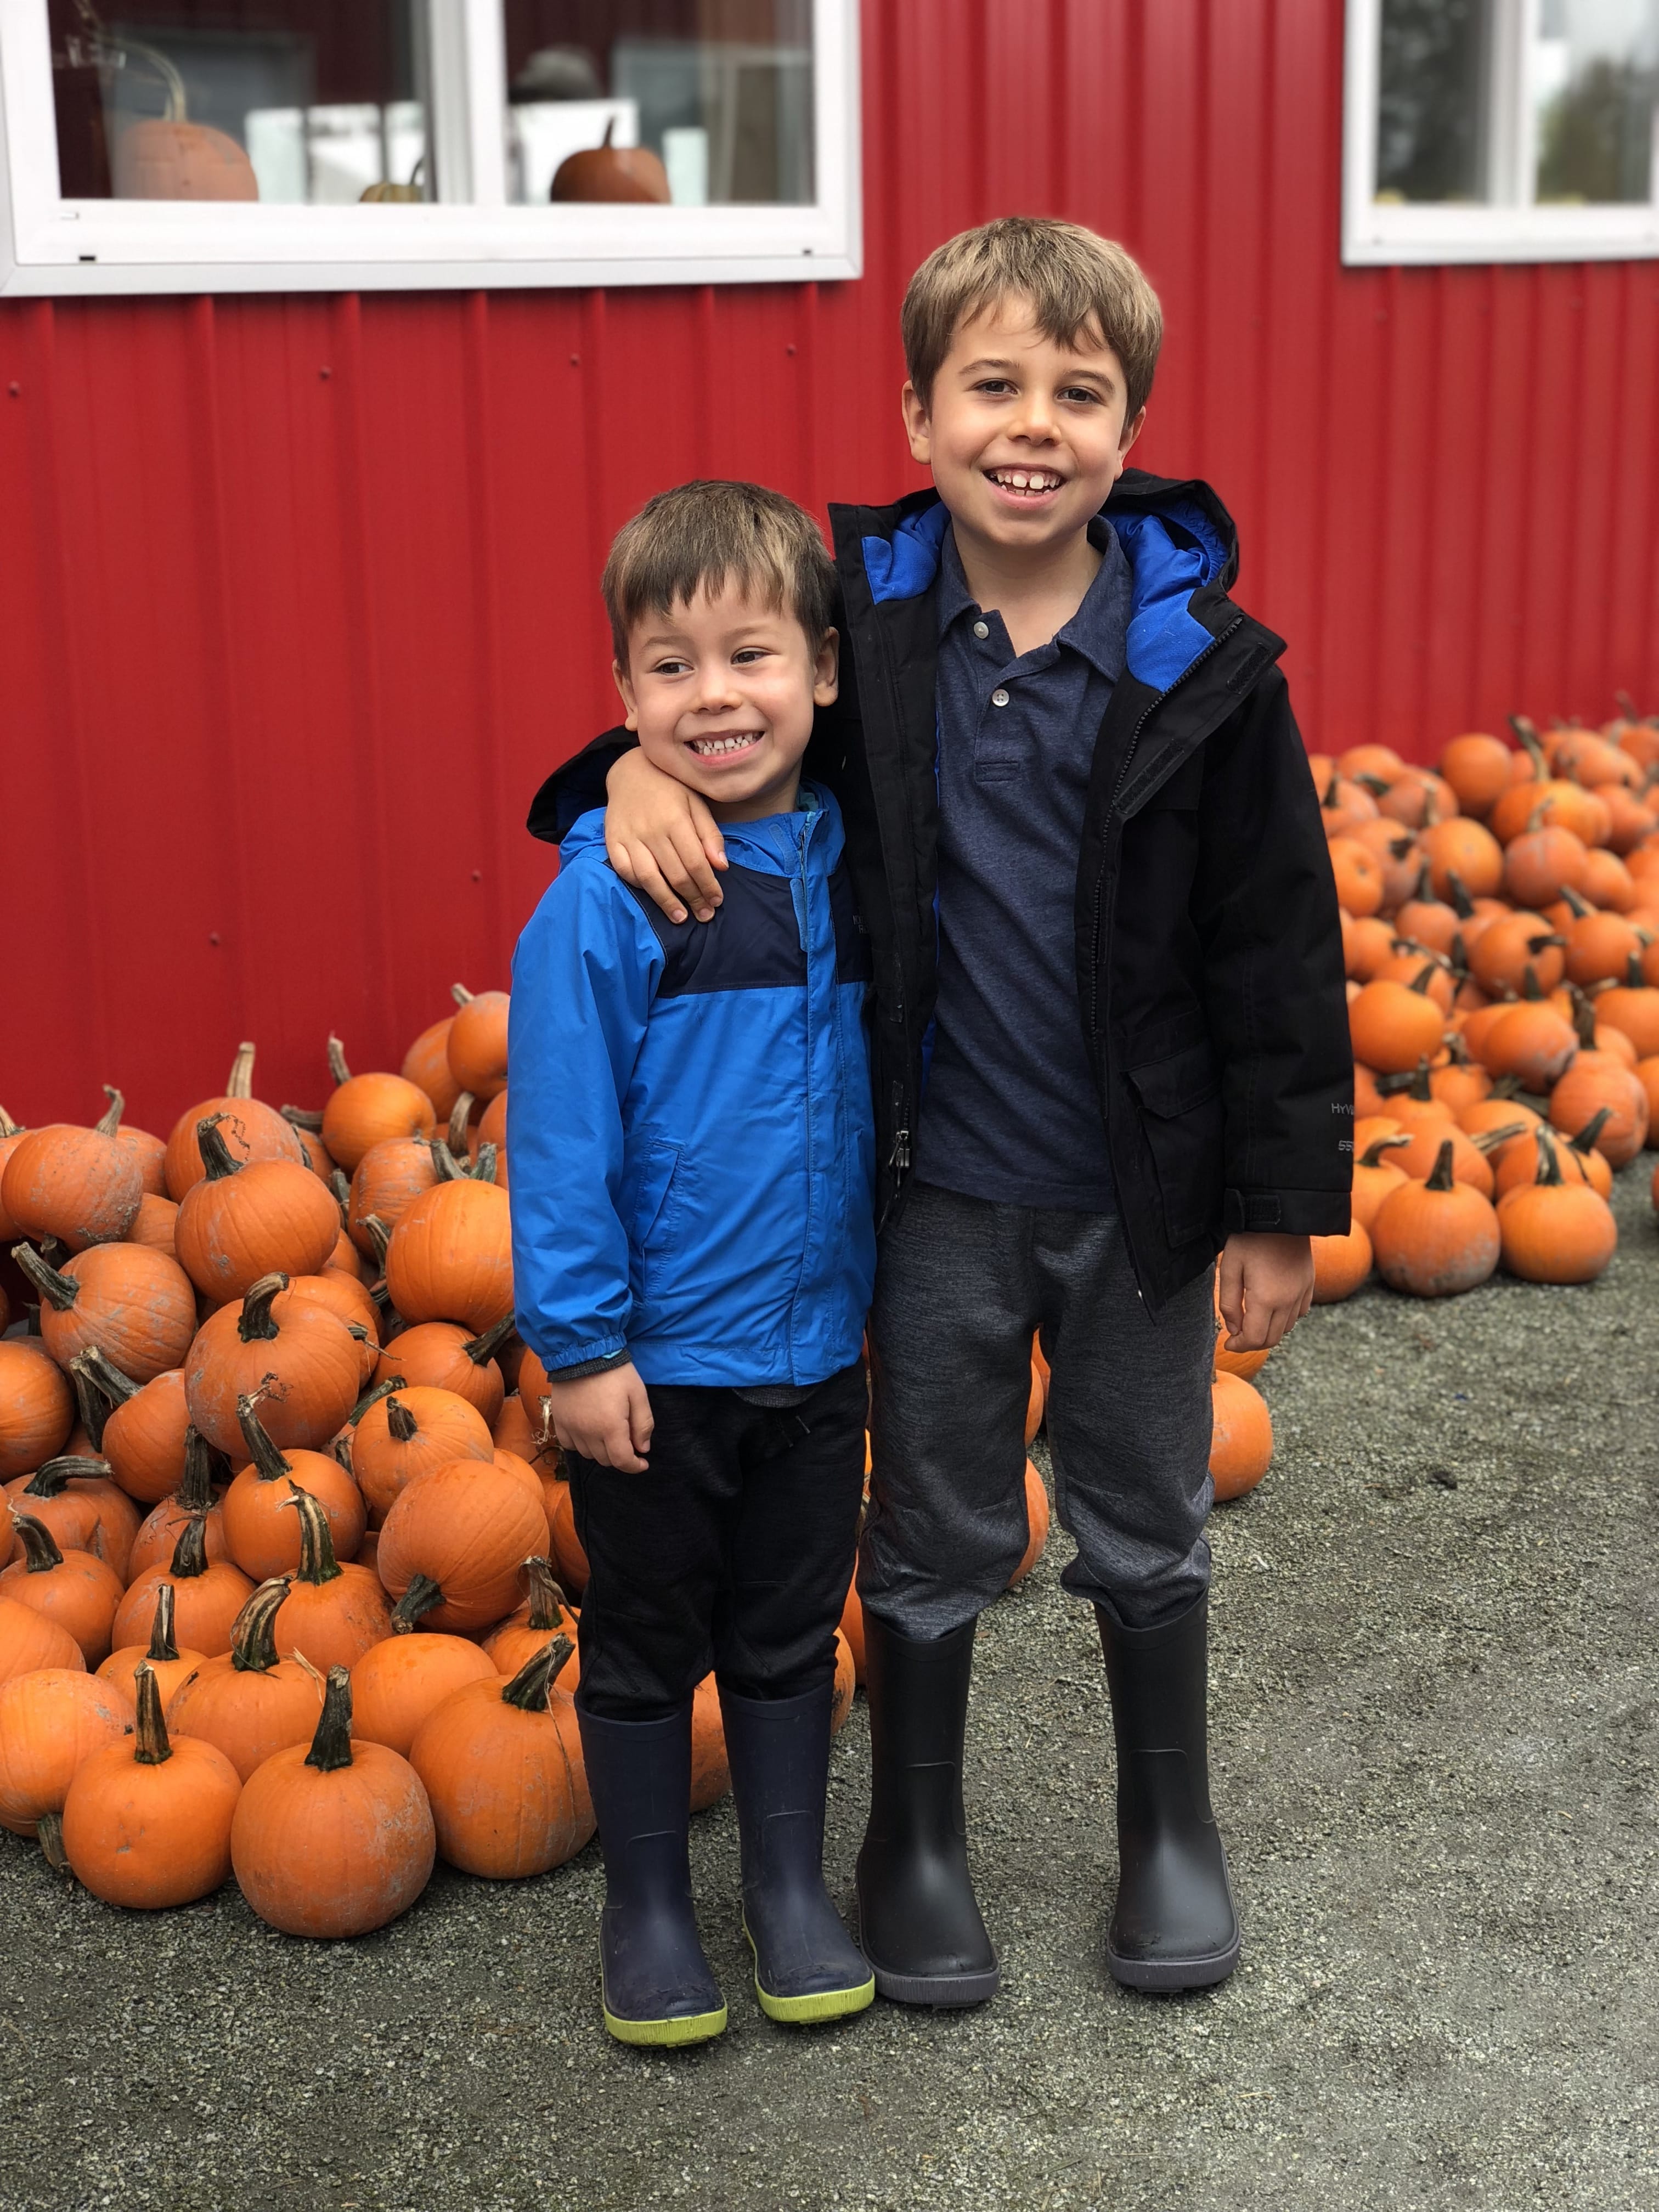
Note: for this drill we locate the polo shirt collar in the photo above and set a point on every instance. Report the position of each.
(1097, 630)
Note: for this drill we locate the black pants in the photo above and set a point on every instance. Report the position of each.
(732, 1550)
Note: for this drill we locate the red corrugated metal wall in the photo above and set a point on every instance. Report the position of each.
(299, 598)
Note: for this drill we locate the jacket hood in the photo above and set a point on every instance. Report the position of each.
(1178, 539)
(772, 845)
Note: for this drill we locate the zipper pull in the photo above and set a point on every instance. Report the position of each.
(899, 1158)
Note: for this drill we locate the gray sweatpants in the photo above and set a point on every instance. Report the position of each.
(961, 1284)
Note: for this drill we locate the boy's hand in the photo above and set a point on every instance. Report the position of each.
(1265, 1286)
(661, 839)
(605, 1418)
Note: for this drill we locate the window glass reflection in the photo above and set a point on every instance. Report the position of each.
(1593, 79)
(1431, 100)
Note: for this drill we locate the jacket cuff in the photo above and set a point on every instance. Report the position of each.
(596, 1358)
(1288, 1213)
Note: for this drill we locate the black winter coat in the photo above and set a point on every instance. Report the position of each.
(1208, 947)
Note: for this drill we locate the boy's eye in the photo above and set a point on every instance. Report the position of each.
(670, 665)
(996, 384)
(746, 653)
(1080, 392)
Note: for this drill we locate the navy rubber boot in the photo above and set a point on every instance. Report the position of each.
(919, 1921)
(807, 1967)
(659, 1989)
(1175, 1925)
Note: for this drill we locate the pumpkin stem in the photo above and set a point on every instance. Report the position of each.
(258, 1323)
(264, 1455)
(378, 1236)
(152, 1748)
(483, 1168)
(62, 1289)
(447, 1167)
(302, 1117)
(253, 1631)
(1457, 895)
(50, 1479)
(1585, 1142)
(461, 1115)
(1531, 988)
(481, 1350)
(189, 1558)
(532, 1688)
(195, 1490)
(401, 1422)
(1583, 1021)
(1490, 1139)
(331, 1747)
(317, 1564)
(216, 1153)
(339, 1183)
(1425, 976)
(90, 1403)
(1372, 1155)
(54, 1251)
(108, 1123)
(41, 1551)
(105, 1377)
(1549, 1166)
(1633, 972)
(337, 1060)
(1627, 705)
(8, 1126)
(1527, 732)
(1577, 906)
(161, 1642)
(1440, 1177)
(239, 1083)
(373, 1397)
(420, 1597)
(460, 995)
(50, 1830)
(546, 1598)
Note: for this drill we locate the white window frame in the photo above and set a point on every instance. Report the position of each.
(52, 245)
(1510, 228)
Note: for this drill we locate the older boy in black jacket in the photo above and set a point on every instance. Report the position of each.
(1110, 1036)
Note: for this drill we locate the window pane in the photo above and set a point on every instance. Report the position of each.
(308, 100)
(1431, 100)
(693, 100)
(1593, 86)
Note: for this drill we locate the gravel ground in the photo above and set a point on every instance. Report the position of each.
(1434, 1707)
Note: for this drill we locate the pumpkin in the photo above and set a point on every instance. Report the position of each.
(711, 1771)
(29, 1641)
(1647, 1074)
(11, 1137)
(502, 1761)
(441, 1355)
(398, 1683)
(51, 1724)
(1375, 1175)
(155, 1225)
(241, 1221)
(262, 1531)
(1464, 853)
(1632, 1006)
(1379, 762)
(364, 1110)
(208, 1593)
(1340, 1265)
(81, 1186)
(193, 1500)
(452, 1544)
(1556, 1229)
(1600, 947)
(1394, 1025)
(1345, 805)
(1478, 769)
(172, 1665)
(334, 1840)
(306, 1353)
(1366, 945)
(526, 1428)
(1358, 875)
(1540, 865)
(1436, 1238)
(147, 1822)
(477, 1043)
(1578, 1158)
(75, 1498)
(569, 1556)
(350, 1303)
(1549, 803)
(142, 1432)
(1608, 882)
(135, 1305)
(334, 1613)
(1629, 819)
(246, 1701)
(1241, 1436)
(450, 1257)
(1433, 974)
(1530, 1042)
(605, 172)
(1036, 1525)
(1470, 1164)
(387, 1181)
(37, 1406)
(543, 1615)
(409, 1432)
(851, 1629)
(307, 1127)
(1416, 797)
(1035, 1405)
(1500, 956)
(1594, 1085)
(74, 1588)
(426, 1064)
(252, 1131)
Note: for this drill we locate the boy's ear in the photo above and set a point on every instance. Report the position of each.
(1131, 432)
(619, 677)
(917, 429)
(826, 670)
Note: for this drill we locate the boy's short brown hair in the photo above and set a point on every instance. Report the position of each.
(705, 535)
(1076, 280)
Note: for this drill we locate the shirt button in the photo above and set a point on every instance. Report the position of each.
(982, 629)
(998, 697)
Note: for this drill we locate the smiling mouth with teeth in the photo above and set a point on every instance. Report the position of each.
(1030, 483)
(717, 746)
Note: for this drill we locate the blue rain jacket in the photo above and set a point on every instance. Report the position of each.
(689, 1118)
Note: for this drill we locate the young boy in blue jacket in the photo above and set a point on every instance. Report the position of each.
(693, 1247)
(1109, 1039)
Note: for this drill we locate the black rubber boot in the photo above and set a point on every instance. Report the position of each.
(918, 1922)
(807, 1967)
(658, 1987)
(1175, 1926)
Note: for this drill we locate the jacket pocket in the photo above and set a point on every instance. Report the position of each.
(652, 1210)
(1180, 1117)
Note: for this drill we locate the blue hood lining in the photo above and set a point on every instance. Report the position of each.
(1166, 567)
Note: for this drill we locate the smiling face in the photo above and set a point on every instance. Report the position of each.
(1026, 436)
(721, 692)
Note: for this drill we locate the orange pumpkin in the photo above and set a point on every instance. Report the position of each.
(171, 1664)
(1340, 1265)
(399, 1682)
(441, 1355)
(1358, 876)
(364, 1110)
(1556, 1230)
(252, 1131)
(1632, 1006)
(73, 1589)
(1434, 1238)
(450, 1257)
(208, 1595)
(1578, 1158)
(1541, 864)
(1500, 956)
(1531, 1042)
(1592, 1086)
(262, 1531)
(194, 1499)
(248, 1702)
(29, 1642)
(427, 1065)
(334, 1613)
(308, 1353)
(73, 1498)
(82, 1185)
(1375, 1175)
(386, 1183)
(1241, 1436)
(1478, 769)
(135, 1305)
(477, 1043)
(452, 1545)
(37, 1406)
(409, 1432)
(1464, 854)
(503, 1765)
(711, 1770)
(1036, 1523)
(51, 1724)
(147, 1823)
(1394, 1025)
(543, 1615)
(243, 1221)
(144, 1429)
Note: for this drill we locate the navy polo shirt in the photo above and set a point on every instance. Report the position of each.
(1010, 1111)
